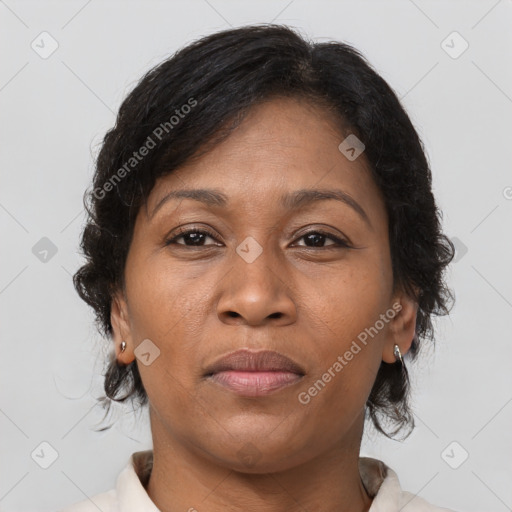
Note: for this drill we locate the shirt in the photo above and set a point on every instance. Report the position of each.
(129, 495)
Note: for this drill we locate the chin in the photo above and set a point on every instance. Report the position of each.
(258, 454)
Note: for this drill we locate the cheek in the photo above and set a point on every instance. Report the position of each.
(352, 301)
(346, 318)
(161, 299)
(170, 308)
(347, 356)
(335, 399)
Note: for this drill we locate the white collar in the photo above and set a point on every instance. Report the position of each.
(380, 481)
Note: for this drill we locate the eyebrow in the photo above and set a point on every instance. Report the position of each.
(293, 201)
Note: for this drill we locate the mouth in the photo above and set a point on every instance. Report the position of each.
(253, 374)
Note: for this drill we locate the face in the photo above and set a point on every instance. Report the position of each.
(250, 270)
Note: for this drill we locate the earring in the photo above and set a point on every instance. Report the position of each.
(123, 346)
(398, 354)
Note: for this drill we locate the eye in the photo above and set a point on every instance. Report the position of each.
(317, 237)
(194, 236)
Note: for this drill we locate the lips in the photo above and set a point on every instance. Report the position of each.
(254, 374)
(249, 361)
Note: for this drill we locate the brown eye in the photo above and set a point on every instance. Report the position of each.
(192, 238)
(317, 239)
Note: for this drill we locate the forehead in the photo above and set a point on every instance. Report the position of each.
(280, 130)
(282, 145)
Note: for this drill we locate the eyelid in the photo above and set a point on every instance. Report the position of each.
(341, 238)
(184, 231)
(338, 241)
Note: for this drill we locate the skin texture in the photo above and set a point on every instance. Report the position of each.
(304, 298)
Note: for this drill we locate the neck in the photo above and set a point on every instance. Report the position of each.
(183, 478)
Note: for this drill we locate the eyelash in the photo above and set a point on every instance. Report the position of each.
(338, 241)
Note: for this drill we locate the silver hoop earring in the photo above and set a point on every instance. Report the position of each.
(123, 346)
(398, 354)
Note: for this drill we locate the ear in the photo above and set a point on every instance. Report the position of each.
(119, 318)
(402, 327)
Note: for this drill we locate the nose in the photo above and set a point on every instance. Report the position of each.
(256, 293)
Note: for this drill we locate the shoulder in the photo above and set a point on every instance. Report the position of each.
(382, 483)
(106, 502)
(412, 503)
(129, 494)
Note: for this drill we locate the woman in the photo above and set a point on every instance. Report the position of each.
(263, 248)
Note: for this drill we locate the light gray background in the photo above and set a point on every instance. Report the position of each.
(54, 113)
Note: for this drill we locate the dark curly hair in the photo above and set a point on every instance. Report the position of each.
(192, 101)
